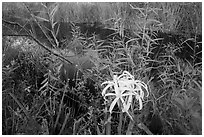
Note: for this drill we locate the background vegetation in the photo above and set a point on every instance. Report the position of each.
(42, 93)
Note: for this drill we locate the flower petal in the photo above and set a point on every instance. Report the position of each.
(106, 82)
(113, 104)
(128, 103)
(129, 115)
(104, 90)
(110, 94)
(140, 104)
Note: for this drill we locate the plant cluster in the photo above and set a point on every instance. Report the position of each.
(128, 83)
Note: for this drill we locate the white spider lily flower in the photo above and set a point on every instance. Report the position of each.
(124, 89)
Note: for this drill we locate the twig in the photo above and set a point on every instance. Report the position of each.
(36, 40)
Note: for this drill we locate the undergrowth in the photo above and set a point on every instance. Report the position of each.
(42, 93)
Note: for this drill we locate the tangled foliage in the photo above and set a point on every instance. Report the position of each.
(43, 93)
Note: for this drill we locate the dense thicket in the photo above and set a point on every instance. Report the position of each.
(56, 55)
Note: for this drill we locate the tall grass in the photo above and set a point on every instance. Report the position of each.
(175, 90)
(175, 17)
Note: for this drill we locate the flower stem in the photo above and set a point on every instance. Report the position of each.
(120, 123)
(130, 127)
(108, 123)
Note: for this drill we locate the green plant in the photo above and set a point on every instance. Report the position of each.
(31, 80)
(123, 90)
(27, 119)
(20, 82)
